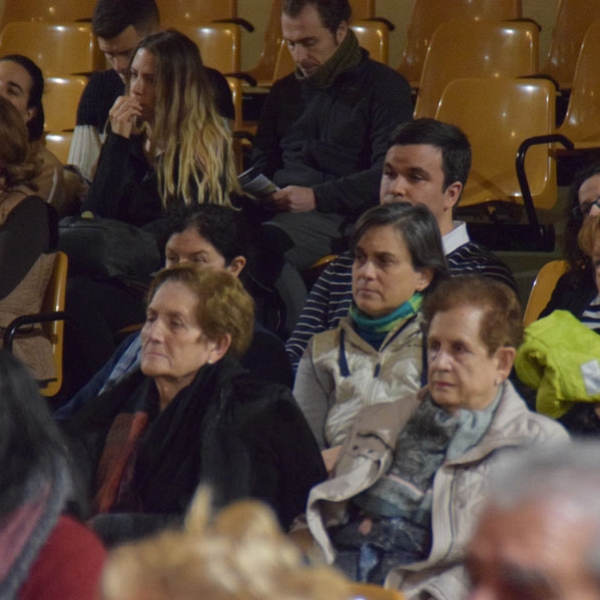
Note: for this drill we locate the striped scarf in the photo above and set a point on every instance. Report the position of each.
(375, 330)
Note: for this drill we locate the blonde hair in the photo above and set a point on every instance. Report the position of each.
(224, 305)
(243, 555)
(197, 162)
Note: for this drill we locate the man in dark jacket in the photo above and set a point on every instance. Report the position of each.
(323, 132)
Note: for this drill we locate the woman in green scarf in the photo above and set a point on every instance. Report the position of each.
(376, 353)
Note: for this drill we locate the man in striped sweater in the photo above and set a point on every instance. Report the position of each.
(428, 162)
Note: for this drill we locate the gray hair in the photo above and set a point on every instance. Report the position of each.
(567, 474)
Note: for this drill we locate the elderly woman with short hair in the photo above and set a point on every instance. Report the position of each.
(191, 415)
(412, 474)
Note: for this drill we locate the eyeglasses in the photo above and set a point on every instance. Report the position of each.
(581, 211)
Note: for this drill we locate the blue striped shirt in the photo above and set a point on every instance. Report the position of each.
(331, 295)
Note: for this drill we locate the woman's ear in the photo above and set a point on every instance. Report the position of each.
(424, 278)
(219, 348)
(505, 357)
(236, 266)
(31, 112)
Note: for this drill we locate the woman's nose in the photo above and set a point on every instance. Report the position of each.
(438, 359)
(154, 330)
(136, 87)
(366, 270)
(481, 592)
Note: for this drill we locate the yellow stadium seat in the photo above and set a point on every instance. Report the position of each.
(468, 48)
(582, 121)
(61, 99)
(572, 22)
(373, 37)
(427, 15)
(500, 116)
(219, 45)
(57, 48)
(59, 143)
(368, 591)
(47, 10)
(197, 12)
(542, 288)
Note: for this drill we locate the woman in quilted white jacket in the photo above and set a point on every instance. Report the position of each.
(376, 353)
(412, 476)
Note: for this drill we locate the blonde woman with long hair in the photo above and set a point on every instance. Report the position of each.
(167, 143)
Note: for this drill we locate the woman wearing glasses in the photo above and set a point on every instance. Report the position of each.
(577, 293)
(576, 290)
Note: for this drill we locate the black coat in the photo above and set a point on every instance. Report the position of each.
(333, 140)
(243, 437)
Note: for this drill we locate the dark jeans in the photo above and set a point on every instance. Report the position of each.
(391, 542)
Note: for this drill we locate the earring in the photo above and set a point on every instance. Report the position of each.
(497, 382)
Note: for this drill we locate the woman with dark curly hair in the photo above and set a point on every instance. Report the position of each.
(22, 84)
(575, 290)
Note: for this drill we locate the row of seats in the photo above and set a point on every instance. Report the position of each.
(509, 49)
(572, 20)
(52, 317)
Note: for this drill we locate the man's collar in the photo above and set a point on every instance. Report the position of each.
(456, 238)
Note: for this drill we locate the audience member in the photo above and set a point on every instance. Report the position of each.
(427, 161)
(376, 353)
(192, 415)
(28, 235)
(167, 145)
(22, 84)
(411, 476)
(559, 356)
(119, 27)
(45, 553)
(576, 290)
(206, 236)
(323, 129)
(539, 535)
(243, 555)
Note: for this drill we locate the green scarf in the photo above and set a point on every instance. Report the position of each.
(374, 331)
(347, 55)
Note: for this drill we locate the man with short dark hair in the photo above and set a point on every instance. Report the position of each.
(323, 131)
(428, 162)
(120, 25)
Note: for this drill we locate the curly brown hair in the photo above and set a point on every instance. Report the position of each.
(224, 306)
(17, 163)
(501, 324)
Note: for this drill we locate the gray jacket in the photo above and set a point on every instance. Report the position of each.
(459, 486)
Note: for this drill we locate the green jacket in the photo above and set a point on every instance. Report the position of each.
(560, 357)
